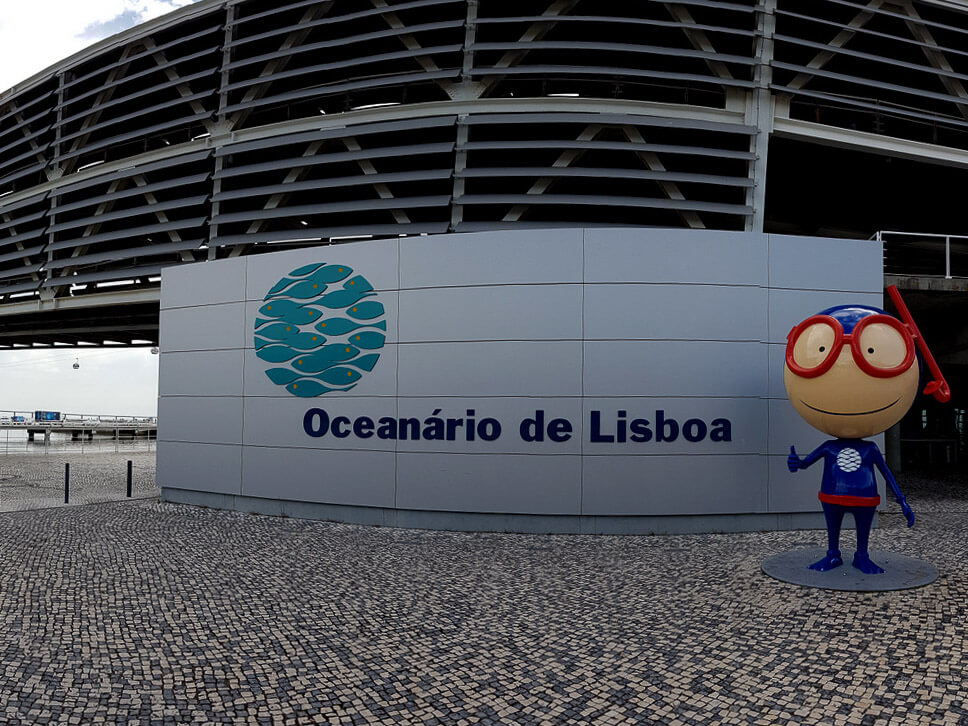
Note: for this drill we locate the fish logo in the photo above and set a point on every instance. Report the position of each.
(322, 328)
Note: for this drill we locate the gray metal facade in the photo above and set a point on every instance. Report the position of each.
(236, 127)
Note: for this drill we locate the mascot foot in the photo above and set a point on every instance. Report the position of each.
(829, 562)
(864, 564)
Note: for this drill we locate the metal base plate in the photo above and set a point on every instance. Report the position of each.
(900, 572)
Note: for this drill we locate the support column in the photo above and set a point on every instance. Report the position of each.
(223, 124)
(55, 172)
(460, 164)
(759, 113)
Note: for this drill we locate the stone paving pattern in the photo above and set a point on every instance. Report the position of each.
(139, 612)
(35, 481)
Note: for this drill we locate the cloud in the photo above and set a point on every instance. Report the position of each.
(36, 35)
(134, 12)
(102, 29)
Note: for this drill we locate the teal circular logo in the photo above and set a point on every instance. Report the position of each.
(320, 325)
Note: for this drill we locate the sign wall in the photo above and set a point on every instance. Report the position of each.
(551, 380)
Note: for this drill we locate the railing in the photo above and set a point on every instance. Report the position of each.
(67, 420)
(924, 254)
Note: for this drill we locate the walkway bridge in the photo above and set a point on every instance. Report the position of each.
(80, 426)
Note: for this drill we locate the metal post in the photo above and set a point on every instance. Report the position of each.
(129, 478)
(947, 258)
(67, 483)
(892, 448)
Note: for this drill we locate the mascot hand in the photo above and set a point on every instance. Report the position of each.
(906, 511)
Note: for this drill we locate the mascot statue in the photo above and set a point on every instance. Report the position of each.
(852, 371)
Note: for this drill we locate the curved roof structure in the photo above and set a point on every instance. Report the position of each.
(232, 127)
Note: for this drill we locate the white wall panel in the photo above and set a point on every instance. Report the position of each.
(204, 283)
(674, 368)
(650, 485)
(215, 468)
(512, 483)
(675, 312)
(200, 419)
(494, 312)
(675, 255)
(492, 258)
(201, 373)
(204, 327)
(540, 368)
(842, 265)
(281, 422)
(355, 478)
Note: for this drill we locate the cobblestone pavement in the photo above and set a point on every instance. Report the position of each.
(36, 481)
(148, 613)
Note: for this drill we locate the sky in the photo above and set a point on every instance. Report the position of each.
(34, 35)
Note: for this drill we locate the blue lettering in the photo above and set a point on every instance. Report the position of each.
(489, 429)
(640, 430)
(387, 428)
(620, 427)
(363, 427)
(597, 437)
(410, 426)
(316, 422)
(694, 430)
(666, 429)
(559, 430)
(722, 430)
(338, 423)
(434, 429)
(532, 429)
(452, 426)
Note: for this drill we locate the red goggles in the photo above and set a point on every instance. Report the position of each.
(881, 346)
